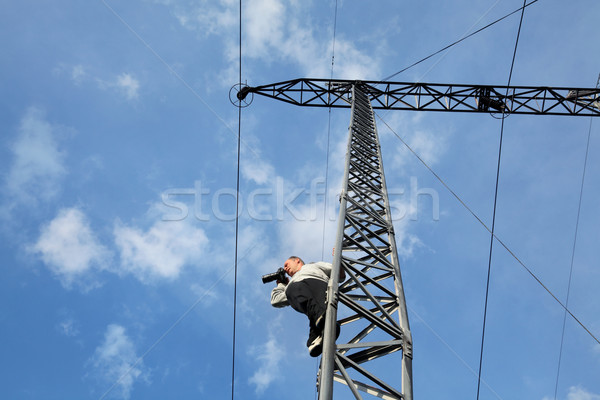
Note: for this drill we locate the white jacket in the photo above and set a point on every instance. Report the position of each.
(320, 270)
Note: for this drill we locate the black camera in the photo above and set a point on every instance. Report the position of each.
(275, 276)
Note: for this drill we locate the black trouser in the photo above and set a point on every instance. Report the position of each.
(309, 296)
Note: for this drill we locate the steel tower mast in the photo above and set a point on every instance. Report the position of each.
(373, 316)
(377, 322)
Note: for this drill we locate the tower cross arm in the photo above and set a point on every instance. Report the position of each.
(421, 96)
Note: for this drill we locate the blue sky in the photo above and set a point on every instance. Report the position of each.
(118, 177)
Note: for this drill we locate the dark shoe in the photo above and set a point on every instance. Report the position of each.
(312, 335)
(316, 347)
(320, 322)
(320, 325)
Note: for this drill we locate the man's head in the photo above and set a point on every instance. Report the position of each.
(293, 265)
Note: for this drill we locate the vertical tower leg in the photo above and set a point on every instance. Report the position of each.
(372, 308)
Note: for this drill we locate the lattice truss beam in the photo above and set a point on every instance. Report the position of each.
(372, 309)
(422, 96)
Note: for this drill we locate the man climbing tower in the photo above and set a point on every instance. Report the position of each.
(306, 292)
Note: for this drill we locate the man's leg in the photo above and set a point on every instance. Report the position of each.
(317, 303)
(309, 297)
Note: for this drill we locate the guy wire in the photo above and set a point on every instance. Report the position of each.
(487, 288)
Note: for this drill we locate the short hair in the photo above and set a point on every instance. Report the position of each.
(296, 258)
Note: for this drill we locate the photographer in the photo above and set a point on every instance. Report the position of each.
(306, 292)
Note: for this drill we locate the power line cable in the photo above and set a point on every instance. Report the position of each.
(483, 224)
(237, 217)
(458, 41)
(487, 288)
(562, 337)
(328, 134)
(327, 162)
(454, 352)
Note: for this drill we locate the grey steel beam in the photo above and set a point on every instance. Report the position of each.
(375, 322)
(420, 96)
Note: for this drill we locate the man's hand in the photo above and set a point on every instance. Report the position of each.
(285, 281)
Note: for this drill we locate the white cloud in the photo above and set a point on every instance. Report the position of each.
(259, 171)
(301, 231)
(406, 241)
(427, 145)
(425, 141)
(68, 328)
(69, 248)
(78, 74)
(115, 362)
(352, 63)
(125, 83)
(579, 393)
(209, 18)
(38, 162)
(252, 243)
(162, 251)
(268, 357)
(265, 21)
(128, 85)
(209, 296)
(255, 168)
(278, 31)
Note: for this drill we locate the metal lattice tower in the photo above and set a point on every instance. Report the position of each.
(376, 323)
(370, 303)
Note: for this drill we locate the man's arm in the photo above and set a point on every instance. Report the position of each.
(278, 297)
(327, 267)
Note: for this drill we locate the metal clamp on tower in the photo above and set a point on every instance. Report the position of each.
(489, 99)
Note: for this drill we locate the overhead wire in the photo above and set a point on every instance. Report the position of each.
(238, 179)
(562, 337)
(458, 41)
(484, 225)
(237, 216)
(329, 132)
(493, 235)
(451, 350)
(236, 261)
(327, 157)
(487, 288)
